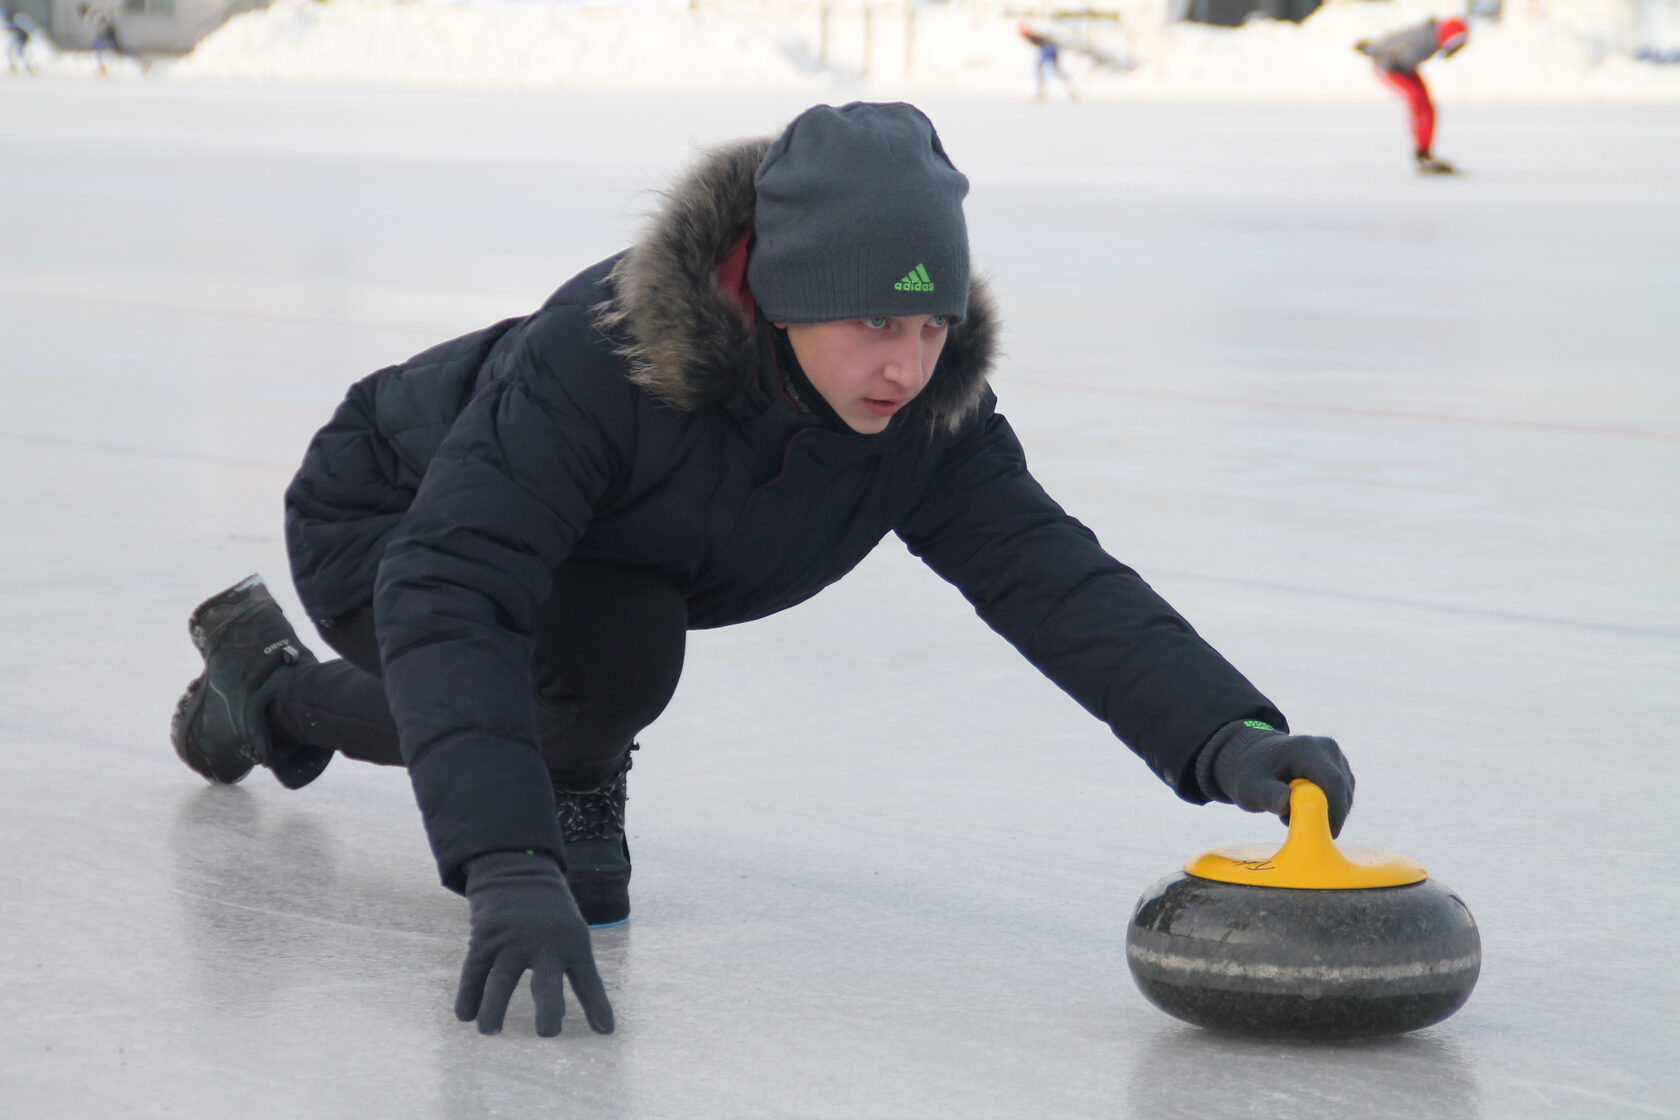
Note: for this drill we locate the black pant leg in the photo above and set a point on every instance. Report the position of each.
(340, 705)
(609, 651)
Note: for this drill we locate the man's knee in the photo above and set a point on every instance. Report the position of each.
(610, 642)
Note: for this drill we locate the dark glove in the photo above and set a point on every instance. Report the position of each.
(1250, 764)
(523, 917)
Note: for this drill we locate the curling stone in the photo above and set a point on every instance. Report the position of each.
(1306, 941)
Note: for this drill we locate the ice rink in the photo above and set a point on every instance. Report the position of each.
(1407, 451)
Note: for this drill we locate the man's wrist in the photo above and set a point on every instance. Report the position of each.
(1207, 758)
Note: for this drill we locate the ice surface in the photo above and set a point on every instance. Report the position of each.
(1406, 450)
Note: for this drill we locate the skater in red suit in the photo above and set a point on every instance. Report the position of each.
(1398, 56)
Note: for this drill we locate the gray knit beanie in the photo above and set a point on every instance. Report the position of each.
(859, 213)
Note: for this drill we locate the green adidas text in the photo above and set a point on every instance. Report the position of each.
(916, 280)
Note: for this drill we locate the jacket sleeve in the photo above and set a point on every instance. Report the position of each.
(508, 494)
(1089, 623)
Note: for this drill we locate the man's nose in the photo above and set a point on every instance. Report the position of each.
(904, 367)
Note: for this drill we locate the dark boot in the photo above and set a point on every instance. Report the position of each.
(596, 851)
(1433, 165)
(220, 728)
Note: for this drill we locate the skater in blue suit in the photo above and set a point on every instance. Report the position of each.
(18, 27)
(1047, 62)
(107, 41)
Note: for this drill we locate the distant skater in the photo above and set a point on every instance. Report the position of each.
(1397, 56)
(1049, 61)
(17, 27)
(106, 40)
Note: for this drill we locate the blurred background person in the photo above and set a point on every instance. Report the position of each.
(1397, 56)
(106, 40)
(1048, 61)
(1656, 30)
(17, 27)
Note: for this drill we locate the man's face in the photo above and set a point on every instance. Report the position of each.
(869, 369)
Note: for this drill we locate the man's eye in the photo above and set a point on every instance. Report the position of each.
(875, 322)
(939, 322)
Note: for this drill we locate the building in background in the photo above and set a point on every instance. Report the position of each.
(148, 26)
(1233, 13)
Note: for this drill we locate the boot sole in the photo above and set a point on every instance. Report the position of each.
(186, 709)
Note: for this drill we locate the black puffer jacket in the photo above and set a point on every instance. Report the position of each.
(633, 419)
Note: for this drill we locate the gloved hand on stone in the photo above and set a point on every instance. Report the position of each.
(524, 918)
(1250, 764)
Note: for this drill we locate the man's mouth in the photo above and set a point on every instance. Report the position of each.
(882, 407)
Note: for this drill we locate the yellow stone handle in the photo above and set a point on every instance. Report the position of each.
(1309, 845)
(1309, 858)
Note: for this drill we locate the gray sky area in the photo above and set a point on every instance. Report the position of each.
(1407, 451)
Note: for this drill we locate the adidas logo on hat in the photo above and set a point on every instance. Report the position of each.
(916, 280)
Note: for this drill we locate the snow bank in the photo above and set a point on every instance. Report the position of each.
(532, 44)
(1567, 50)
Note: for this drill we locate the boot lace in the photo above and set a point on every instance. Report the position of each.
(594, 814)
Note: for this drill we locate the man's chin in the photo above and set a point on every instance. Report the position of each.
(868, 425)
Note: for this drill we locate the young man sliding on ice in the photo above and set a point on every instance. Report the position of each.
(507, 537)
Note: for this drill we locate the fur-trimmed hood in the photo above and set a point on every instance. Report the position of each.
(687, 339)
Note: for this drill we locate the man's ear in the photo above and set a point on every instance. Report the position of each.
(779, 326)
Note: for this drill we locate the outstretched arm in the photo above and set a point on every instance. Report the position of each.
(1089, 623)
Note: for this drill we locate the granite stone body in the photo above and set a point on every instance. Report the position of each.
(1278, 962)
